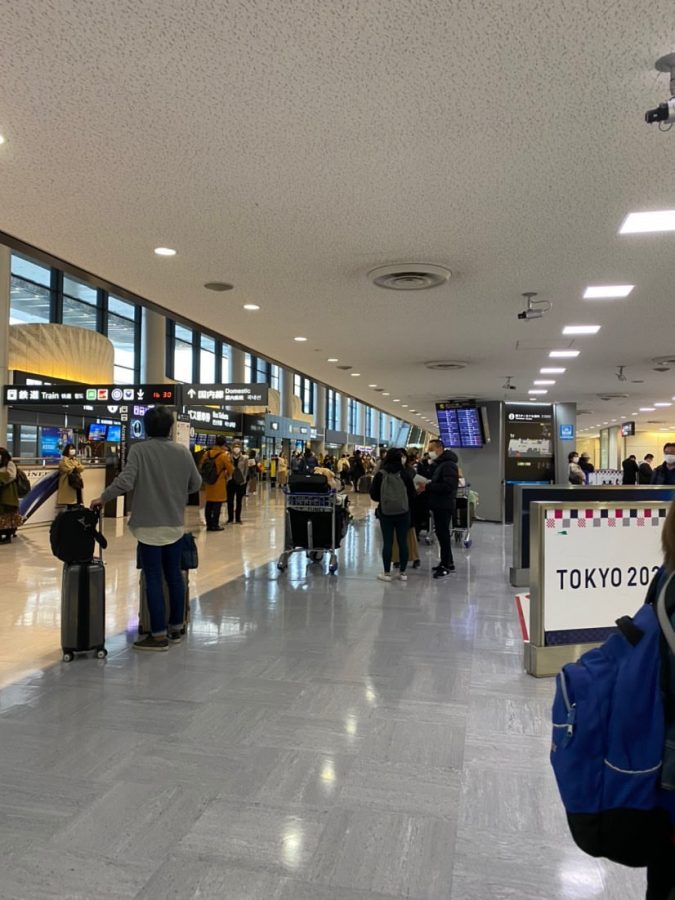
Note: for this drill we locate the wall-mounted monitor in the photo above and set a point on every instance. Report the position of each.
(114, 434)
(461, 424)
(97, 432)
(627, 429)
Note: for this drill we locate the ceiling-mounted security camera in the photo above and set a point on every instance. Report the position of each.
(535, 309)
(507, 386)
(619, 374)
(664, 113)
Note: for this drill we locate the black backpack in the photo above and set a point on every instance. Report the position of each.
(210, 471)
(74, 534)
(22, 483)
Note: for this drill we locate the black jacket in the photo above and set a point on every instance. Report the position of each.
(376, 486)
(645, 473)
(662, 475)
(442, 489)
(630, 471)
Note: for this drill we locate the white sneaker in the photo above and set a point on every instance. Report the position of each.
(402, 576)
(384, 576)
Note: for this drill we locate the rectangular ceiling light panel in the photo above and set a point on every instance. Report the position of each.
(581, 329)
(564, 354)
(649, 222)
(552, 371)
(608, 291)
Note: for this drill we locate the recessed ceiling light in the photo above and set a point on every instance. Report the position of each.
(413, 410)
(333, 359)
(543, 381)
(564, 354)
(643, 222)
(607, 291)
(581, 329)
(537, 392)
(372, 385)
(397, 400)
(385, 393)
(550, 371)
(2, 139)
(353, 374)
(251, 306)
(663, 404)
(404, 405)
(164, 251)
(300, 339)
(646, 409)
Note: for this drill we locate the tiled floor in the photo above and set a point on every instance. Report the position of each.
(315, 738)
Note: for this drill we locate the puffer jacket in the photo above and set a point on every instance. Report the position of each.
(442, 489)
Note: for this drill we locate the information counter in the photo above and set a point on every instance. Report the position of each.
(39, 506)
(591, 563)
(525, 495)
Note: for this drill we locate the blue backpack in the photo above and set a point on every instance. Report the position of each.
(609, 733)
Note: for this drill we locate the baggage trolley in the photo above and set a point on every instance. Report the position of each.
(311, 525)
(461, 518)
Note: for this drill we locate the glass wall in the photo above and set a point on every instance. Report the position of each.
(207, 360)
(351, 415)
(332, 410)
(43, 294)
(182, 354)
(304, 389)
(369, 421)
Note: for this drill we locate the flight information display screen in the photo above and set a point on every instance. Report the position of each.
(460, 426)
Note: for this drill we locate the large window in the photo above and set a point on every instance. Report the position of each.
(30, 292)
(226, 364)
(275, 377)
(182, 354)
(80, 304)
(207, 360)
(369, 421)
(352, 415)
(121, 330)
(304, 389)
(332, 410)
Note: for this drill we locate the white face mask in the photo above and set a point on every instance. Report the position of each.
(433, 454)
(71, 453)
(670, 459)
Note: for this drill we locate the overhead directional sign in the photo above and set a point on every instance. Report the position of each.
(89, 394)
(215, 418)
(225, 394)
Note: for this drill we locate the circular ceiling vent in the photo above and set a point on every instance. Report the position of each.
(409, 276)
(445, 365)
(218, 286)
(664, 360)
(345, 368)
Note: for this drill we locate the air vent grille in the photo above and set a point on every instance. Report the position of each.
(409, 276)
(445, 365)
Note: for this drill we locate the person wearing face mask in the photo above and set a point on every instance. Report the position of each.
(630, 470)
(575, 474)
(70, 478)
(236, 486)
(665, 473)
(441, 491)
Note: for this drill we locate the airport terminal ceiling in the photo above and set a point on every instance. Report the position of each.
(289, 149)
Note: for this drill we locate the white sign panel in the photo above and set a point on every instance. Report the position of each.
(598, 563)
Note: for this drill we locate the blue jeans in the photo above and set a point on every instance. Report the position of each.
(158, 563)
(398, 525)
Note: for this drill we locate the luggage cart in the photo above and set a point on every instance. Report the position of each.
(311, 526)
(461, 518)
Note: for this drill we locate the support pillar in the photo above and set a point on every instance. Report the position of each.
(153, 348)
(238, 367)
(5, 286)
(320, 417)
(287, 393)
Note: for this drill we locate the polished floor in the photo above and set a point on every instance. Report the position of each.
(314, 738)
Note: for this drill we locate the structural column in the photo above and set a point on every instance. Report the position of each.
(153, 348)
(238, 366)
(320, 417)
(287, 393)
(5, 285)
(344, 413)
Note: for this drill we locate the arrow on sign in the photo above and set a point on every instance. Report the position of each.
(140, 394)
(192, 393)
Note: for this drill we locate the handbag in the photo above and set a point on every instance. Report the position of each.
(75, 480)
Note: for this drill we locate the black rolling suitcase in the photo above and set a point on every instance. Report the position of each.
(83, 606)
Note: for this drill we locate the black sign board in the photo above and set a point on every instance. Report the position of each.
(225, 394)
(627, 429)
(214, 418)
(89, 394)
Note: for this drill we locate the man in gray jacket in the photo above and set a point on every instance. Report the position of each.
(161, 474)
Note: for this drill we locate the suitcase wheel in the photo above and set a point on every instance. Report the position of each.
(468, 543)
(333, 566)
(101, 653)
(68, 656)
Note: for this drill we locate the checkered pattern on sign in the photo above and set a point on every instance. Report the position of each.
(605, 518)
